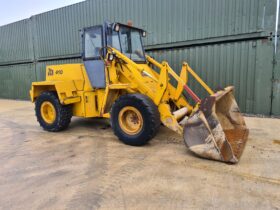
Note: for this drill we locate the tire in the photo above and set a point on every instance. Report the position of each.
(62, 116)
(144, 106)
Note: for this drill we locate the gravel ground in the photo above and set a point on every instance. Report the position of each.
(86, 167)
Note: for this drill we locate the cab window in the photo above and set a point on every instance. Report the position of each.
(93, 43)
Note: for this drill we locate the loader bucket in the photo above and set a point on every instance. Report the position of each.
(217, 130)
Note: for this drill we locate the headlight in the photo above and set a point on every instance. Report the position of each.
(111, 57)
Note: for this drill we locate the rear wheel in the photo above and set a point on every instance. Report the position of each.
(135, 119)
(51, 114)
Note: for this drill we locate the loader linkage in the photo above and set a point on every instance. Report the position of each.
(215, 128)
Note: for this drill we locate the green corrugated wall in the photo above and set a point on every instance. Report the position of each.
(15, 80)
(166, 21)
(226, 42)
(55, 34)
(16, 43)
(230, 64)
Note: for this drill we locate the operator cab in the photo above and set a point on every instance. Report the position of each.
(125, 38)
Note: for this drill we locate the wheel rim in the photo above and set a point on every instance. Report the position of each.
(130, 120)
(48, 112)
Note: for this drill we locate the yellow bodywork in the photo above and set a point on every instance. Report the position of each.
(212, 128)
(72, 85)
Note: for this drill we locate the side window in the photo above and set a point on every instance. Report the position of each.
(93, 42)
(124, 43)
(136, 46)
(116, 41)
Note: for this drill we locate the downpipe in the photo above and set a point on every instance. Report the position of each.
(276, 26)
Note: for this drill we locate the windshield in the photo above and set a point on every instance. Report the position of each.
(129, 42)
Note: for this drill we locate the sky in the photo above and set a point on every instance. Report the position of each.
(15, 10)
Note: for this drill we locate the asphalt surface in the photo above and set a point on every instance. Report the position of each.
(86, 167)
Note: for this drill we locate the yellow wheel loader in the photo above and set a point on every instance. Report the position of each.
(117, 80)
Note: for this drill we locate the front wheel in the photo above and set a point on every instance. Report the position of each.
(51, 114)
(135, 119)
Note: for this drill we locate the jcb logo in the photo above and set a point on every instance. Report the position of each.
(50, 72)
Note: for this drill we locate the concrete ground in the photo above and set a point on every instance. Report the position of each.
(86, 167)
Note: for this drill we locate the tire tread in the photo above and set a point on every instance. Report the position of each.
(146, 103)
(64, 112)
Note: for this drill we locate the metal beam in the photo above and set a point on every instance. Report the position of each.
(209, 41)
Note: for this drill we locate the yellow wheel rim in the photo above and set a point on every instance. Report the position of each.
(130, 120)
(48, 112)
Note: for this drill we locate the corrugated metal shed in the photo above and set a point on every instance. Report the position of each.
(15, 80)
(55, 34)
(226, 42)
(240, 64)
(166, 21)
(16, 43)
(230, 64)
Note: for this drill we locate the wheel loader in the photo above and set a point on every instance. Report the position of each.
(119, 81)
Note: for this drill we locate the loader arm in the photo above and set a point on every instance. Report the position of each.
(162, 79)
(214, 128)
(162, 92)
(156, 86)
(182, 82)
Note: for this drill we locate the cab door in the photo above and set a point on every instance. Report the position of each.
(93, 41)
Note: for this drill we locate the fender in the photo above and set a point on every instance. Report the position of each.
(66, 90)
